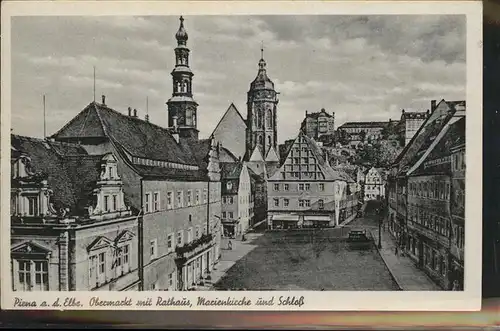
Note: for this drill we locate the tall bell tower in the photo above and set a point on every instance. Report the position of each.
(262, 101)
(182, 108)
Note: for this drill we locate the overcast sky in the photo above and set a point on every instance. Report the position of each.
(360, 67)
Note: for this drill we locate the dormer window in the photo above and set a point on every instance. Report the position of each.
(32, 209)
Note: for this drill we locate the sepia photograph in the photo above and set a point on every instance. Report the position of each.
(263, 152)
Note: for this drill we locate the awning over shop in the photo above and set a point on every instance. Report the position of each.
(317, 218)
(286, 217)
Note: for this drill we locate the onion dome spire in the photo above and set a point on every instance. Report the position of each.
(181, 34)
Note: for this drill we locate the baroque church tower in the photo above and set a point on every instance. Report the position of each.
(261, 133)
(182, 107)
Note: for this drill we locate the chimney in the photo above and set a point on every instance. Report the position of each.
(306, 112)
(403, 111)
(129, 111)
(427, 112)
(103, 99)
(433, 105)
(147, 118)
(135, 112)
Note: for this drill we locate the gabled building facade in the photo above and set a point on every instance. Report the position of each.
(71, 228)
(305, 191)
(374, 184)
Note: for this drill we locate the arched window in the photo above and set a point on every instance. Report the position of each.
(259, 119)
(269, 140)
(260, 140)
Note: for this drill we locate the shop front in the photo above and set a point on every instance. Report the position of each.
(317, 221)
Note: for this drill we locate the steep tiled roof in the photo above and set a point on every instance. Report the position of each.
(71, 177)
(427, 132)
(230, 170)
(227, 156)
(134, 135)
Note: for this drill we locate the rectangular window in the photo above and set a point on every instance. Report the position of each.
(106, 203)
(276, 187)
(321, 204)
(321, 187)
(224, 214)
(170, 242)
(93, 271)
(276, 202)
(307, 203)
(189, 194)
(286, 202)
(308, 186)
(126, 257)
(205, 195)
(189, 235)
(197, 198)
(169, 200)
(32, 206)
(231, 215)
(301, 187)
(156, 201)
(101, 270)
(286, 187)
(179, 238)
(231, 200)
(115, 202)
(301, 203)
(147, 201)
(224, 200)
(153, 249)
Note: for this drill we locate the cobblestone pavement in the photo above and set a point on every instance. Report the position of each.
(230, 257)
(316, 259)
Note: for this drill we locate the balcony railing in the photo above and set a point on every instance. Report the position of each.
(188, 250)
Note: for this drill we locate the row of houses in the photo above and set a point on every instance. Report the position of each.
(426, 195)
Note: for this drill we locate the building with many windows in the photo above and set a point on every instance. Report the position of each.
(420, 212)
(410, 122)
(305, 191)
(237, 199)
(71, 228)
(318, 124)
(359, 132)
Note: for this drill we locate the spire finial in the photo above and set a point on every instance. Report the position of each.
(181, 34)
(262, 49)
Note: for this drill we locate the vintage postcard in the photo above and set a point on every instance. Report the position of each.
(245, 156)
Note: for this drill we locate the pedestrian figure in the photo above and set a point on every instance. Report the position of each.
(230, 245)
(396, 250)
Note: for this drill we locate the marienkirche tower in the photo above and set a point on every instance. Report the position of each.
(181, 106)
(262, 101)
